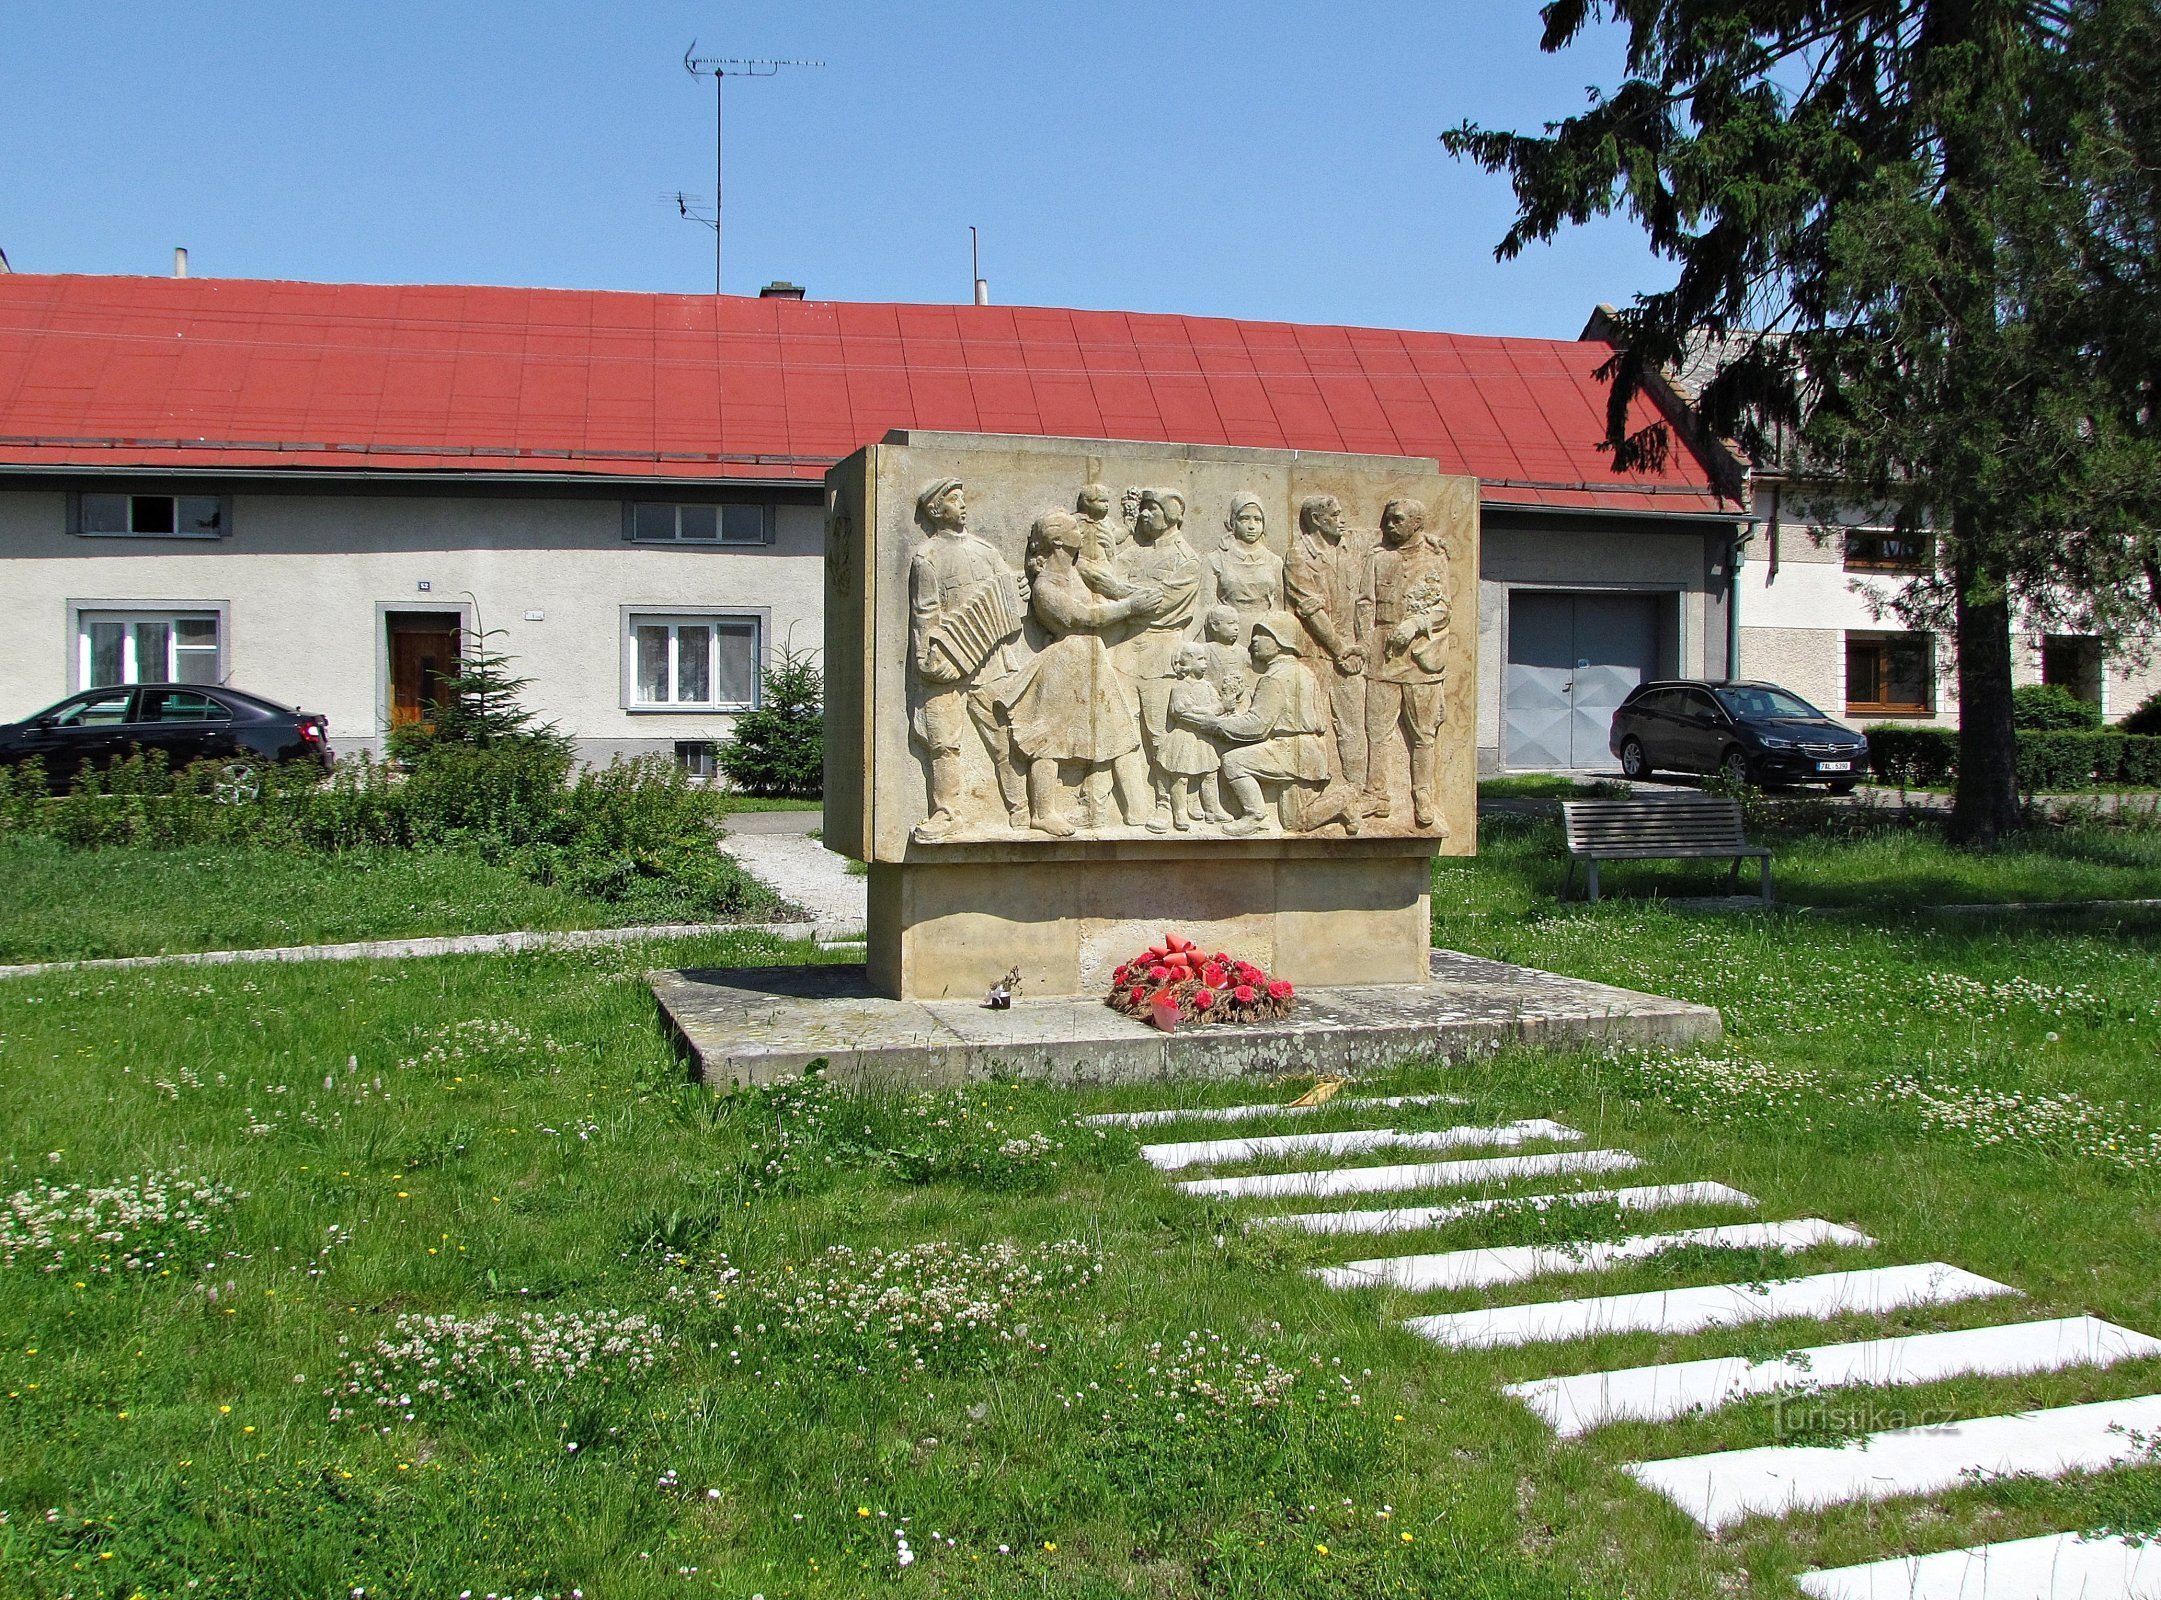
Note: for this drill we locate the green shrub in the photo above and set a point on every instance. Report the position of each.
(2051, 708)
(2067, 760)
(2142, 760)
(1923, 757)
(636, 833)
(779, 748)
(2147, 718)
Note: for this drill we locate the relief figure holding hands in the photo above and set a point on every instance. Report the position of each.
(1331, 590)
(1066, 705)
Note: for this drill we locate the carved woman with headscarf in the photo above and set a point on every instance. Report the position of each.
(1245, 574)
(1067, 704)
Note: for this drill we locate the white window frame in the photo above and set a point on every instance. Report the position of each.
(78, 522)
(82, 613)
(720, 509)
(673, 617)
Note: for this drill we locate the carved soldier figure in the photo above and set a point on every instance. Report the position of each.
(1157, 557)
(1245, 574)
(1406, 652)
(1330, 588)
(1278, 739)
(964, 607)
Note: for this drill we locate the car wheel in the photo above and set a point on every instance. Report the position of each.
(237, 783)
(1733, 766)
(1634, 763)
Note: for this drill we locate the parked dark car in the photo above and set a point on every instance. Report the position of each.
(1751, 732)
(243, 733)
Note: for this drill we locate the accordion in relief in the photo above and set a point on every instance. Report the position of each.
(966, 635)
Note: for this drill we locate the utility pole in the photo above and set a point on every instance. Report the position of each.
(719, 69)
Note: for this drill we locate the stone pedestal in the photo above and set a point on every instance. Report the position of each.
(1081, 693)
(1353, 911)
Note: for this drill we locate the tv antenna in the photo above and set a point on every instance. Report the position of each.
(720, 69)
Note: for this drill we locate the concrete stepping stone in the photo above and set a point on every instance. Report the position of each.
(1720, 1305)
(1477, 1269)
(1151, 1119)
(2054, 1566)
(1223, 1152)
(1575, 1405)
(1413, 1219)
(1417, 1175)
(1722, 1488)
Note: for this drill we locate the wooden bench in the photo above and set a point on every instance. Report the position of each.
(1680, 827)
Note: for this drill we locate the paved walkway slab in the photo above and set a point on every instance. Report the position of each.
(1727, 1486)
(761, 1025)
(1229, 1152)
(1478, 1269)
(1413, 1219)
(1575, 1405)
(1418, 1175)
(2055, 1566)
(1722, 1305)
(1175, 1114)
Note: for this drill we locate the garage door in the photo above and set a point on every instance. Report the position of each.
(1572, 658)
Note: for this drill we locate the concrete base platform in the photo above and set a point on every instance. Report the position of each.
(764, 1024)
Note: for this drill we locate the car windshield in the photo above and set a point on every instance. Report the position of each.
(1756, 700)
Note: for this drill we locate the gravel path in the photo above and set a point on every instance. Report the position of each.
(802, 870)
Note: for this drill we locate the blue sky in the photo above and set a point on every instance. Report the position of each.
(1252, 160)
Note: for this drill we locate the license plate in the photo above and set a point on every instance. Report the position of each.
(1834, 766)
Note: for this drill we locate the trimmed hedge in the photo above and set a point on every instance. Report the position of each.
(2101, 758)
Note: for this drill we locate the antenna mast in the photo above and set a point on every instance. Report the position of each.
(719, 69)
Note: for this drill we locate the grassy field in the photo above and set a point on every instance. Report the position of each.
(662, 1359)
(63, 904)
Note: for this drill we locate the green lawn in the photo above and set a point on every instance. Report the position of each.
(63, 904)
(488, 1139)
(756, 802)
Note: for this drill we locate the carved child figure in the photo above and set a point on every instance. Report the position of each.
(1190, 758)
(1227, 669)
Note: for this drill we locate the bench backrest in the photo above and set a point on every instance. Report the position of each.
(1686, 822)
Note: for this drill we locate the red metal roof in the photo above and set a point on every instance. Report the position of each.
(225, 373)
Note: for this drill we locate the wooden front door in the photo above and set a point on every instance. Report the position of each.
(423, 652)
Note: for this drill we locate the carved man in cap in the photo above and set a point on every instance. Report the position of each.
(1406, 653)
(964, 607)
(1278, 739)
(1329, 586)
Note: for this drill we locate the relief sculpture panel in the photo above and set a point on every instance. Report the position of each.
(1125, 642)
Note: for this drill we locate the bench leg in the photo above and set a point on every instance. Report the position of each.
(1568, 879)
(1733, 877)
(1590, 880)
(1766, 880)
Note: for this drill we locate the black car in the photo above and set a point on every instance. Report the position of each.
(241, 732)
(1751, 732)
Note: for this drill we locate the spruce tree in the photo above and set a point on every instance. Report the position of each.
(1889, 217)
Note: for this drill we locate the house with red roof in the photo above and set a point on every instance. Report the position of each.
(314, 491)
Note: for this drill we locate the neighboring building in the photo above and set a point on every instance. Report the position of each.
(312, 489)
(1816, 602)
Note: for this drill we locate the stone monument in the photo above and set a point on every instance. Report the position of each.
(1079, 691)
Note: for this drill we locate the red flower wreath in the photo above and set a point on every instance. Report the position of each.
(1176, 982)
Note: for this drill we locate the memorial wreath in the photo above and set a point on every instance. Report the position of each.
(1177, 981)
